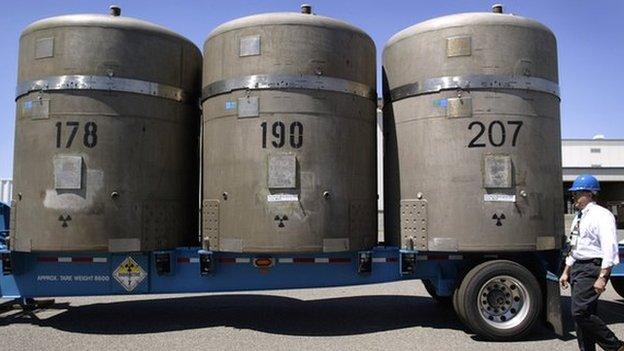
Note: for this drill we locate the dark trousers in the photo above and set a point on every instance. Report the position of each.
(590, 329)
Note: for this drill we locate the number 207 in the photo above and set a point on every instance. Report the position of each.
(496, 133)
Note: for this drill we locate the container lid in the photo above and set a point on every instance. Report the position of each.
(285, 18)
(103, 21)
(467, 19)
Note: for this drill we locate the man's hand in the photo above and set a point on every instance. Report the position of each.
(565, 277)
(564, 280)
(600, 285)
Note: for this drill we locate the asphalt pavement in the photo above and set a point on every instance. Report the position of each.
(393, 316)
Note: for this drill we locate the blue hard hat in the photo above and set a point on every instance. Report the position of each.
(585, 182)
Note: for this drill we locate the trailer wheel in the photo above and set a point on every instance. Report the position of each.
(458, 311)
(431, 289)
(618, 285)
(460, 291)
(499, 300)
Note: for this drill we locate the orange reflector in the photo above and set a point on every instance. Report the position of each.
(263, 262)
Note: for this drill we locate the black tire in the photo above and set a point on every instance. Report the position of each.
(460, 292)
(499, 300)
(458, 312)
(445, 300)
(618, 285)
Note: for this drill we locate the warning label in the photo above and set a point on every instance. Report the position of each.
(499, 198)
(129, 274)
(282, 197)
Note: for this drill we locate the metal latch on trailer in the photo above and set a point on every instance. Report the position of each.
(206, 262)
(162, 262)
(408, 262)
(7, 267)
(365, 262)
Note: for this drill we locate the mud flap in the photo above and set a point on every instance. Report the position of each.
(553, 304)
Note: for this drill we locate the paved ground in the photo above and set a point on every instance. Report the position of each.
(395, 316)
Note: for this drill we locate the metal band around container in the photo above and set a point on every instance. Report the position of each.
(475, 82)
(269, 82)
(83, 82)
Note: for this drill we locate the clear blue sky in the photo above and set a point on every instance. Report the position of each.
(589, 34)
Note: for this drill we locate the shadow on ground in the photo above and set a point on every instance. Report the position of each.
(269, 314)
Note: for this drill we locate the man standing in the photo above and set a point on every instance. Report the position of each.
(588, 266)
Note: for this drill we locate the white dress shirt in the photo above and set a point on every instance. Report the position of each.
(597, 237)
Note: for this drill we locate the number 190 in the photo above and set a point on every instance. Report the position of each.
(278, 131)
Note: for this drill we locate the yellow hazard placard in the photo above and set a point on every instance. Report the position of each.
(129, 274)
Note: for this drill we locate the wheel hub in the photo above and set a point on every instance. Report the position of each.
(503, 302)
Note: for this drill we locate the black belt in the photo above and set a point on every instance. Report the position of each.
(590, 260)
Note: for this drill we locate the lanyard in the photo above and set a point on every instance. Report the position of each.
(576, 232)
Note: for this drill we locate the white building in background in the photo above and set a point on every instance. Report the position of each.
(6, 190)
(601, 157)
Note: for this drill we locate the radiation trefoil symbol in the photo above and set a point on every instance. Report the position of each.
(499, 219)
(129, 274)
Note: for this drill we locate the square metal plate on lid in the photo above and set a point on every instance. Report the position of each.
(249, 46)
(44, 47)
(458, 46)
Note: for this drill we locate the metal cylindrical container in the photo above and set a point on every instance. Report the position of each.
(473, 141)
(288, 135)
(106, 145)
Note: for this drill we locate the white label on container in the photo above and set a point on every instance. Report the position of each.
(499, 198)
(282, 197)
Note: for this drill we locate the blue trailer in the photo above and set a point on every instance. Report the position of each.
(26, 276)
(617, 275)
